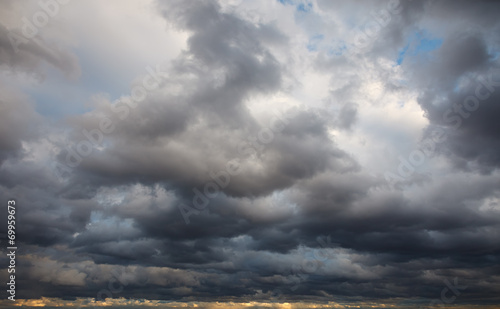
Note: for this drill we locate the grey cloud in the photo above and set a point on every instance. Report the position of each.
(302, 215)
(18, 122)
(211, 120)
(32, 53)
(347, 116)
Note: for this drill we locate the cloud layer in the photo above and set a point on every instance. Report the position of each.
(301, 151)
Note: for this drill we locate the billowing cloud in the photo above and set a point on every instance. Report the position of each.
(298, 154)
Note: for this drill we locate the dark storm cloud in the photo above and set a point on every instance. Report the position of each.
(474, 145)
(235, 48)
(225, 64)
(180, 139)
(302, 215)
(50, 220)
(459, 93)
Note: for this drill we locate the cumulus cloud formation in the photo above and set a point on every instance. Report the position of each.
(301, 153)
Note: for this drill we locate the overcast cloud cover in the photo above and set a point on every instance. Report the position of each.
(322, 153)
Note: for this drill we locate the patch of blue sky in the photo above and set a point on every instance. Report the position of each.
(56, 104)
(58, 97)
(301, 5)
(99, 218)
(427, 45)
(314, 41)
(100, 222)
(420, 43)
(304, 7)
(338, 49)
(402, 53)
(96, 78)
(464, 83)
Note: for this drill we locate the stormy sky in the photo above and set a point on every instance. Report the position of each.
(254, 153)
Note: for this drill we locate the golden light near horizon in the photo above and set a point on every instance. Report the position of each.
(124, 303)
(218, 154)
